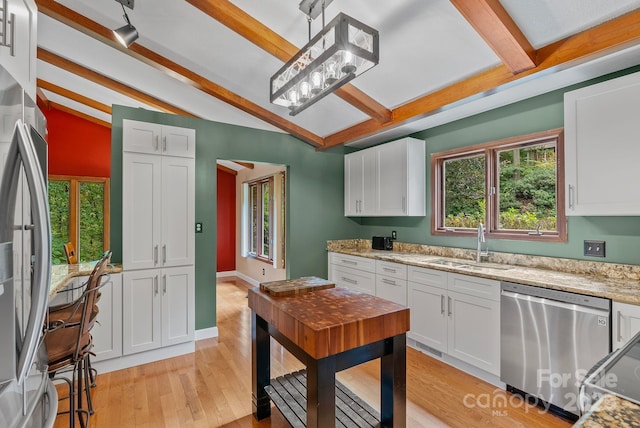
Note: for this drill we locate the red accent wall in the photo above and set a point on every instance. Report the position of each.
(226, 198)
(77, 146)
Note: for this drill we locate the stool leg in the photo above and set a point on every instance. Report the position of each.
(83, 415)
(87, 376)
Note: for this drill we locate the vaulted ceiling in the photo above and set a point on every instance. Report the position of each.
(440, 60)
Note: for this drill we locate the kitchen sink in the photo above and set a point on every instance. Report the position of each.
(448, 263)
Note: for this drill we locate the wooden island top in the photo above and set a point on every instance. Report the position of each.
(330, 321)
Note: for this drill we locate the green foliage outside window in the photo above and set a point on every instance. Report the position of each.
(59, 216)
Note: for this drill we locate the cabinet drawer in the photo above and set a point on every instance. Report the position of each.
(392, 289)
(361, 263)
(473, 286)
(431, 277)
(395, 270)
(354, 279)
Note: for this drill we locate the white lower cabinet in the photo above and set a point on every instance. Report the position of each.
(356, 273)
(458, 315)
(626, 323)
(158, 308)
(107, 332)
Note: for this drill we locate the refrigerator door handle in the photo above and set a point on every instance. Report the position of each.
(41, 279)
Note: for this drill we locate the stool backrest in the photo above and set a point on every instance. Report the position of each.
(70, 253)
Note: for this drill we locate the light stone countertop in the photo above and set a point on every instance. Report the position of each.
(611, 411)
(614, 281)
(62, 275)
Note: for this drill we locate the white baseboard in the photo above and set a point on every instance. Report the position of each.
(226, 273)
(248, 279)
(206, 333)
(132, 360)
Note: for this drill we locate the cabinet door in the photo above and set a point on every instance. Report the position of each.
(141, 205)
(474, 331)
(23, 29)
(177, 212)
(391, 164)
(428, 315)
(141, 306)
(107, 332)
(141, 137)
(601, 135)
(626, 323)
(360, 183)
(178, 300)
(178, 141)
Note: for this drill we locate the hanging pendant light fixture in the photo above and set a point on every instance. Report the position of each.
(342, 50)
(127, 34)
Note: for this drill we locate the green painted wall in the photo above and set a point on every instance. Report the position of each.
(315, 195)
(622, 234)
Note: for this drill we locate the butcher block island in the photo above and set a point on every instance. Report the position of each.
(328, 330)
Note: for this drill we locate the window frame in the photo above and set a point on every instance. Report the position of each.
(256, 253)
(492, 181)
(74, 207)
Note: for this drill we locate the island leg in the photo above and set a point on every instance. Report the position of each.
(321, 393)
(393, 383)
(261, 370)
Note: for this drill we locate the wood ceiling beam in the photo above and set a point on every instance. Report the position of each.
(51, 87)
(500, 32)
(248, 165)
(103, 34)
(81, 115)
(107, 82)
(42, 97)
(613, 35)
(262, 36)
(226, 169)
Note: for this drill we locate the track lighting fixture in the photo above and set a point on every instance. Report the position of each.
(127, 34)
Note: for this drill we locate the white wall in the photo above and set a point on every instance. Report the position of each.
(249, 266)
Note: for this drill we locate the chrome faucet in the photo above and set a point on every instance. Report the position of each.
(481, 240)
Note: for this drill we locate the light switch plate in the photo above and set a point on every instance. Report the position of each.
(594, 248)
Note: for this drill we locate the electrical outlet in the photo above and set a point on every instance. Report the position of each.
(394, 234)
(198, 227)
(594, 248)
(263, 273)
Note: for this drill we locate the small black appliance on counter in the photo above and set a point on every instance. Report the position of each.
(382, 243)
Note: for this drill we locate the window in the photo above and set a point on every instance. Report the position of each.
(512, 186)
(266, 218)
(79, 209)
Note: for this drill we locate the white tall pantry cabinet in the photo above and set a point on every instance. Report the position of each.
(158, 245)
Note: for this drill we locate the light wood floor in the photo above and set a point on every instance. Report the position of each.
(212, 387)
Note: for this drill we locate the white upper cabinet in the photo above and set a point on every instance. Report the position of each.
(20, 59)
(386, 180)
(152, 138)
(602, 148)
(158, 215)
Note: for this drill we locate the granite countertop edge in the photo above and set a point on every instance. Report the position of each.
(620, 290)
(62, 275)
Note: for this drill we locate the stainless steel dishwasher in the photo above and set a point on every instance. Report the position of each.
(549, 340)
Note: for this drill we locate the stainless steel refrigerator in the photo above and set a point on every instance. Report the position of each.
(28, 399)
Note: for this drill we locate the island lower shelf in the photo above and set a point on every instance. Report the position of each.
(289, 394)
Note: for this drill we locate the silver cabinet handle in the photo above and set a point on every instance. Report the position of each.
(164, 144)
(450, 311)
(386, 269)
(571, 190)
(350, 281)
(164, 254)
(442, 304)
(349, 262)
(164, 284)
(619, 317)
(404, 204)
(388, 281)
(156, 146)
(155, 255)
(155, 285)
